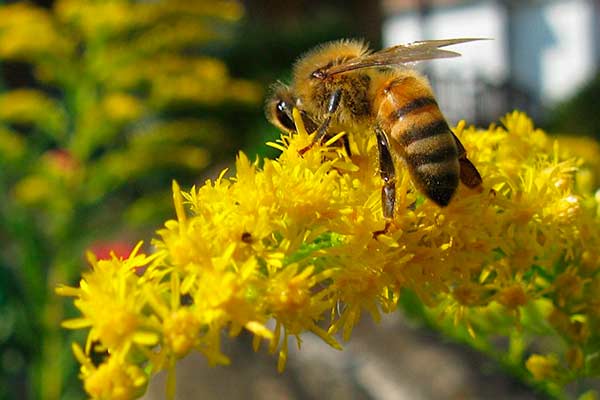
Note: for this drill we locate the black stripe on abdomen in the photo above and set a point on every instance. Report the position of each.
(440, 154)
(439, 186)
(411, 106)
(423, 132)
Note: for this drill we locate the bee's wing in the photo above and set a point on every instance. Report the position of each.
(402, 54)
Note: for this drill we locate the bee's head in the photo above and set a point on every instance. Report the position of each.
(279, 106)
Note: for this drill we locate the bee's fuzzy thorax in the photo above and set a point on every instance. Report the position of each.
(326, 53)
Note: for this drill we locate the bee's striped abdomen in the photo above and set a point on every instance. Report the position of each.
(433, 160)
(413, 105)
(412, 118)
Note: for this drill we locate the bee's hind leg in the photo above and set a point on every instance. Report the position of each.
(388, 174)
(469, 175)
(334, 102)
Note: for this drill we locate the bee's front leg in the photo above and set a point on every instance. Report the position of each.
(334, 102)
(388, 174)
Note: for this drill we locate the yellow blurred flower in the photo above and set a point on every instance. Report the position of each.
(33, 107)
(33, 189)
(95, 19)
(12, 145)
(27, 32)
(542, 367)
(588, 150)
(245, 91)
(122, 107)
(513, 296)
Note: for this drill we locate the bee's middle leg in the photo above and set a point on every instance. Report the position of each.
(388, 174)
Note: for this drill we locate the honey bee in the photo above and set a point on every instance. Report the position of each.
(342, 85)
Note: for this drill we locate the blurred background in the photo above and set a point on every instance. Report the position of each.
(103, 103)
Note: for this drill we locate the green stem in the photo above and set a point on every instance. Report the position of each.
(51, 371)
(64, 270)
(516, 347)
(32, 277)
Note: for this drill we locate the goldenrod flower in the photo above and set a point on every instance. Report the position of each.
(29, 32)
(114, 379)
(292, 242)
(114, 84)
(122, 107)
(108, 307)
(542, 367)
(12, 146)
(29, 106)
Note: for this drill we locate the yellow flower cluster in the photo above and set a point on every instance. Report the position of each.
(288, 247)
(117, 98)
(33, 107)
(29, 32)
(120, 62)
(127, 46)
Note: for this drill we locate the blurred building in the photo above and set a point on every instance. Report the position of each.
(542, 51)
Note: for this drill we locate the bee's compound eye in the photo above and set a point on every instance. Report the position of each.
(282, 112)
(318, 74)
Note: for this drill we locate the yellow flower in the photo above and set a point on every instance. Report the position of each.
(108, 307)
(513, 296)
(33, 189)
(29, 106)
(12, 145)
(542, 367)
(122, 107)
(181, 331)
(588, 150)
(293, 242)
(114, 379)
(27, 32)
(105, 18)
(575, 358)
